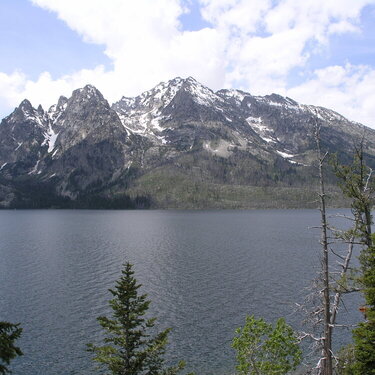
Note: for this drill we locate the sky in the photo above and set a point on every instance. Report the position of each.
(318, 52)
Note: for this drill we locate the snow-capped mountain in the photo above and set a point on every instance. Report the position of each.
(178, 131)
(23, 138)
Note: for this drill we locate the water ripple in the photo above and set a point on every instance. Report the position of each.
(203, 271)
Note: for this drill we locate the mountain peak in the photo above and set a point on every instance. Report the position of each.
(201, 94)
(25, 105)
(62, 101)
(26, 112)
(88, 93)
(179, 130)
(178, 81)
(25, 109)
(191, 79)
(276, 98)
(88, 89)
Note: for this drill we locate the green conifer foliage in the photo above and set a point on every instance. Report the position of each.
(364, 334)
(9, 333)
(356, 181)
(129, 348)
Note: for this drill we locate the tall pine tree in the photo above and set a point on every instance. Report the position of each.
(129, 348)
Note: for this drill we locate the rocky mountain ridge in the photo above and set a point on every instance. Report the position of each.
(179, 133)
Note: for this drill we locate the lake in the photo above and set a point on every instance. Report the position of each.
(203, 271)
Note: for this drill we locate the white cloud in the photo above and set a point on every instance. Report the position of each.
(11, 85)
(235, 16)
(349, 90)
(250, 44)
(273, 40)
(143, 39)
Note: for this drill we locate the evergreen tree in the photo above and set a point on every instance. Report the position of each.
(356, 183)
(129, 348)
(364, 334)
(9, 333)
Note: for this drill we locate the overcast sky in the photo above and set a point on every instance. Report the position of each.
(315, 51)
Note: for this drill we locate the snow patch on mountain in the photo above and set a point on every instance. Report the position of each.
(276, 100)
(166, 91)
(35, 118)
(262, 130)
(31, 114)
(143, 115)
(288, 156)
(89, 92)
(50, 138)
(285, 155)
(54, 113)
(201, 94)
(324, 113)
(35, 168)
(19, 145)
(237, 95)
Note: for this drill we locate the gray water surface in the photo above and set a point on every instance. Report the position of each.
(203, 271)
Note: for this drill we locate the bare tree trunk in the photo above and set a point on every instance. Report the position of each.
(331, 285)
(345, 268)
(327, 339)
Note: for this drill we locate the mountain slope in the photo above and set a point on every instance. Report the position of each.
(178, 145)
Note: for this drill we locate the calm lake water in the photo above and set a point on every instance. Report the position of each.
(203, 271)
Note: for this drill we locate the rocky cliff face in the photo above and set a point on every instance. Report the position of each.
(179, 131)
(88, 144)
(22, 137)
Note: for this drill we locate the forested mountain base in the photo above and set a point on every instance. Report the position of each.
(178, 145)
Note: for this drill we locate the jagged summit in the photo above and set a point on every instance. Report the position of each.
(26, 114)
(149, 112)
(25, 110)
(178, 132)
(25, 105)
(88, 92)
(62, 101)
(202, 94)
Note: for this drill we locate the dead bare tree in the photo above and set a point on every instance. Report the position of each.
(322, 304)
(326, 362)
